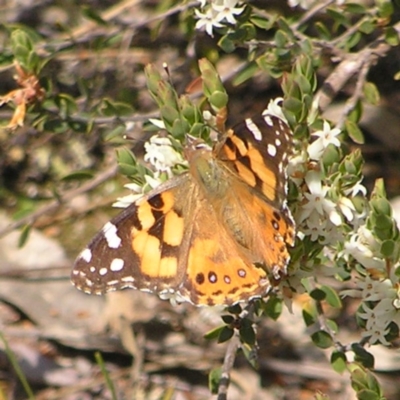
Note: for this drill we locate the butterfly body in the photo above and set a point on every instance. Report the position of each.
(216, 234)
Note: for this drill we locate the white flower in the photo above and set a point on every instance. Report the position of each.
(159, 123)
(297, 167)
(207, 21)
(161, 154)
(362, 247)
(316, 227)
(275, 109)
(216, 11)
(325, 137)
(306, 4)
(138, 191)
(354, 190)
(227, 11)
(347, 208)
(317, 201)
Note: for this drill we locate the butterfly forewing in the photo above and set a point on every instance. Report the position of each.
(140, 247)
(257, 149)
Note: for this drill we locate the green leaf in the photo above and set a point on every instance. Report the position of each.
(338, 17)
(367, 27)
(385, 8)
(225, 334)
(214, 378)
(317, 294)
(228, 319)
(226, 44)
(111, 108)
(280, 38)
(322, 339)
(56, 126)
(354, 8)
(323, 31)
(245, 74)
(354, 132)
(218, 100)
(117, 132)
(78, 176)
(371, 93)
(90, 13)
(364, 383)
(78, 126)
(387, 248)
(26, 230)
(273, 307)
(250, 352)
(332, 298)
(362, 356)
(235, 309)
(309, 317)
(247, 335)
(126, 162)
(338, 361)
(213, 334)
(262, 22)
(391, 36)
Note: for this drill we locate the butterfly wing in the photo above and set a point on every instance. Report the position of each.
(139, 247)
(255, 154)
(170, 242)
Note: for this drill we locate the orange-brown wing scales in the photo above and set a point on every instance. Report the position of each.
(217, 271)
(275, 231)
(256, 151)
(259, 159)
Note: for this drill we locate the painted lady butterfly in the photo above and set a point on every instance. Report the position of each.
(216, 234)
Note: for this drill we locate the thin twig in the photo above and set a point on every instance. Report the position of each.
(358, 92)
(348, 67)
(63, 198)
(229, 360)
(311, 12)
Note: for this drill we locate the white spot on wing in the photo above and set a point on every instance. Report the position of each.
(277, 142)
(127, 279)
(268, 120)
(86, 255)
(117, 264)
(271, 150)
(253, 128)
(103, 271)
(110, 233)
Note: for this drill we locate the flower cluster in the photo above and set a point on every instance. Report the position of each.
(378, 287)
(324, 207)
(216, 13)
(159, 153)
(327, 214)
(380, 306)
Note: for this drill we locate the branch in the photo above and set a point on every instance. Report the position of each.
(229, 360)
(348, 67)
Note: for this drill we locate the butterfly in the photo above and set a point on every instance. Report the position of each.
(217, 234)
